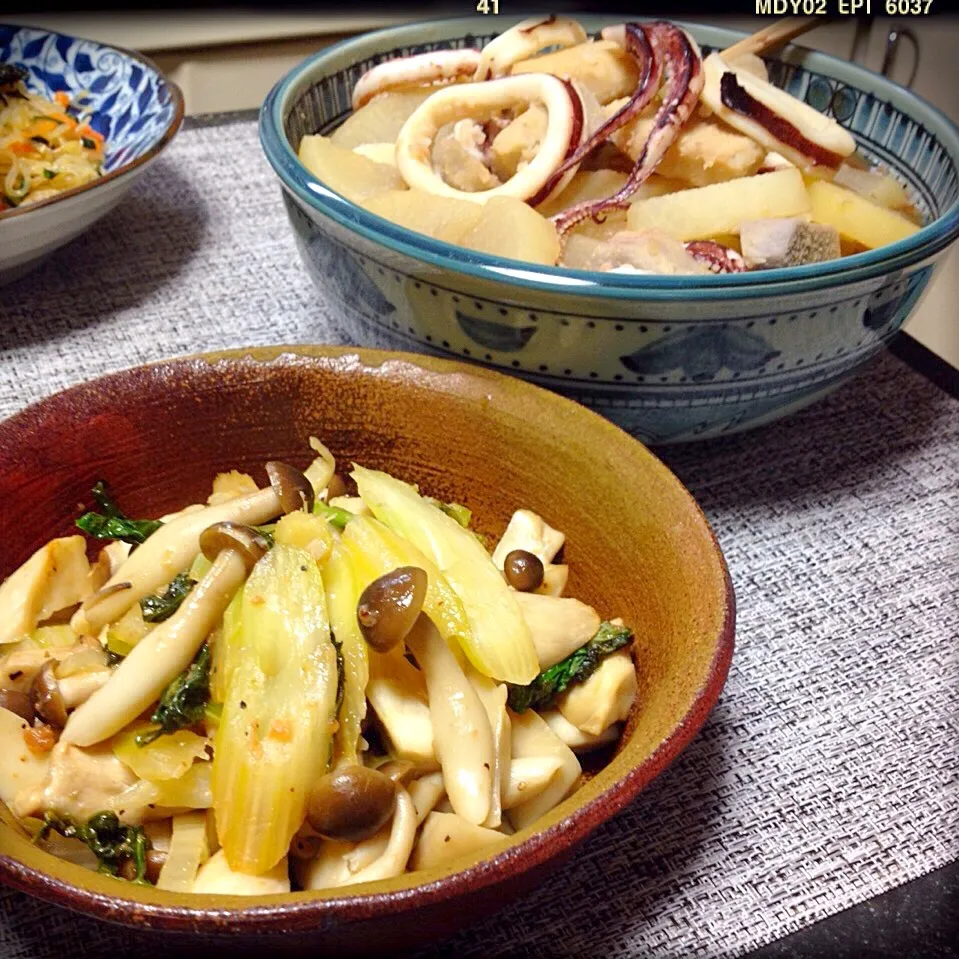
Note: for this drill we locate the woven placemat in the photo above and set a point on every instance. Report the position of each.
(827, 773)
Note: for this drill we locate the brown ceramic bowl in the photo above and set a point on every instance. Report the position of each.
(159, 433)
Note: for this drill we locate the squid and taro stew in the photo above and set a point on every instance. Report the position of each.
(626, 152)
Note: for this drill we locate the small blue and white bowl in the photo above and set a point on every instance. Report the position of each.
(667, 358)
(133, 105)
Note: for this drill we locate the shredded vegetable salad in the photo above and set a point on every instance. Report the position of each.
(323, 682)
(46, 146)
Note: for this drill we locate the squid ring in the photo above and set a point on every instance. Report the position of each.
(536, 182)
(438, 66)
(525, 40)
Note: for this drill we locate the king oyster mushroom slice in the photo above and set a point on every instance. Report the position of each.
(462, 734)
(535, 183)
(55, 577)
(165, 652)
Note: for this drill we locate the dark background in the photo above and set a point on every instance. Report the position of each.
(634, 9)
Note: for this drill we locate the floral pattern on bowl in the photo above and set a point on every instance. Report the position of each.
(132, 104)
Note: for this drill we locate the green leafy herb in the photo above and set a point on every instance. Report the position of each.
(49, 174)
(112, 523)
(183, 703)
(162, 606)
(576, 668)
(456, 511)
(267, 533)
(213, 712)
(332, 514)
(88, 143)
(112, 843)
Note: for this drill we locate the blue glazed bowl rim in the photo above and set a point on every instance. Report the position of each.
(150, 153)
(296, 179)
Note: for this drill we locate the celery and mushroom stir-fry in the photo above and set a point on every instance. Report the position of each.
(300, 686)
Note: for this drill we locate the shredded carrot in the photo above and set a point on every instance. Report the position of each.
(62, 97)
(40, 739)
(41, 127)
(87, 131)
(23, 149)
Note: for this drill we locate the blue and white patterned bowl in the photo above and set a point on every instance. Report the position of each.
(134, 106)
(667, 358)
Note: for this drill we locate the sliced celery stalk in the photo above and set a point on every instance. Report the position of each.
(53, 637)
(341, 596)
(273, 741)
(499, 643)
(168, 757)
(227, 644)
(382, 551)
(199, 568)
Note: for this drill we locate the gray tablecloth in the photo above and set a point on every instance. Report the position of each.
(827, 773)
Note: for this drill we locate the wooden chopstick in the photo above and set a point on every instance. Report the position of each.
(776, 34)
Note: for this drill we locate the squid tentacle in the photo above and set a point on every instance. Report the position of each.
(684, 83)
(719, 258)
(651, 73)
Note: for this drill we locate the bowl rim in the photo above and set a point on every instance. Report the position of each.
(179, 111)
(279, 914)
(298, 181)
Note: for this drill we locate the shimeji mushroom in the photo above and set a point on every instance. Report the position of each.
(382, 856)
(574, 737)
(462, 737)
(352, 803)
(388, 612)
(162, 655)
(528, 777)
(397, 853)
(532, 738)
(47, 699)
(174, 546)
(426, 792)
(529, 532)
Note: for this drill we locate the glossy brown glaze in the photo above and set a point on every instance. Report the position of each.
(160, 433)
